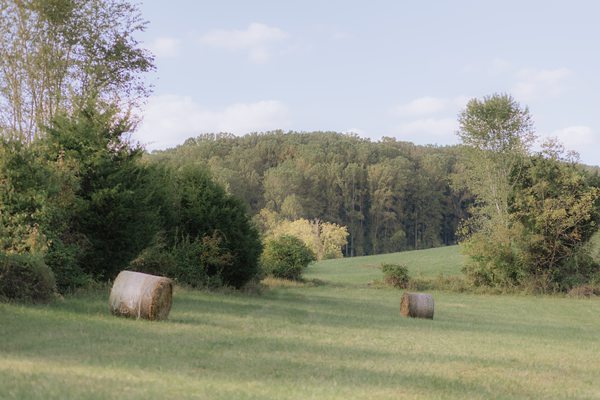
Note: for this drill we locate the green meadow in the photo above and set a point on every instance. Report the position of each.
(337, 336)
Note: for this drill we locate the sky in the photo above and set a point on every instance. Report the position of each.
(402, 69)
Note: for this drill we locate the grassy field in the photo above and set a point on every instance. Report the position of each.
(338, 338)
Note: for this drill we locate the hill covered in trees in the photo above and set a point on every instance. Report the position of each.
(391, 195)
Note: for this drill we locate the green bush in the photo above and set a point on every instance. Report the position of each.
(395, 275)
(286, 257)
(204, 214)
(63, 260)
(201, 262)
(156, 259)
(198, 262)
(113, 209)
(25, 277)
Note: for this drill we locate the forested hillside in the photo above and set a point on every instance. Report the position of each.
(390, 195)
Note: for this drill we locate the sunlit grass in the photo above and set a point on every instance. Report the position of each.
(333, 339)
(429, 263)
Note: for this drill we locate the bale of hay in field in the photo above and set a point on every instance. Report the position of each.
(138, 295)
(416, 305)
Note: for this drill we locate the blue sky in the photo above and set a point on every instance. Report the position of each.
(403, 69)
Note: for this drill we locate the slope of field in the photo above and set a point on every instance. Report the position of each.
(324, 340)
(428, 263)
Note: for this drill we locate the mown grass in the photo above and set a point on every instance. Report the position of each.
(332, 338)
(430, 263)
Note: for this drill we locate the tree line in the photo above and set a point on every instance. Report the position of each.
(390, 195)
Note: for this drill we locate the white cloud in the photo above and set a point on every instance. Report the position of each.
(539, 83)
(424, 106)
(163, 47)
(429, 131)
(499, 66)
(576, 137)
(257, 40)
(169, 120)
(430, 120)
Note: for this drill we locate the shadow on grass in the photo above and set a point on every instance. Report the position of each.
(239, 337)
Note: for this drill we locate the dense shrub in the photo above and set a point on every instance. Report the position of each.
(198, 262)
(157, 259)
(395, 275)
(25, 277)
(63, 260)
(201, 262)
(585, 291)
(286, 257)
(206, 218)
(113, 210)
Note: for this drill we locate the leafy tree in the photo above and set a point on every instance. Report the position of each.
(559, 213)
(280, 182)
(57, 55)
(387, 184)
(24, 205)
(324, 239)
(286, 257)
(533, 214)
(203, 209)
(497, 134)
(354, 190)
(114, 211)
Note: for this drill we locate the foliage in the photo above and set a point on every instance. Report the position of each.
(533, 214)
(494, 256)
(57, 55)
(497, 134)
(390, 195)
(559, 211)
(395, 275)
(201, 262)
(585, 291)
(25, 277)
(24, 206)
(64, 261)
(156, 259)
(204, 210)
(73, 189)
(286, 257)
(82, 198)
(113, 212)
(324, 239)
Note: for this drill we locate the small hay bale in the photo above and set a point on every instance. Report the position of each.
(416, 305)
(138, 295)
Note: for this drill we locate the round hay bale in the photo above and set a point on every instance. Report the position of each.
(416, 305)
(138, 295)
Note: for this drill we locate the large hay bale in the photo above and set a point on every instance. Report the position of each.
(416, 305)
(138, 295)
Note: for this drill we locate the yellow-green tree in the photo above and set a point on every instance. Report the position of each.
(325, 239)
